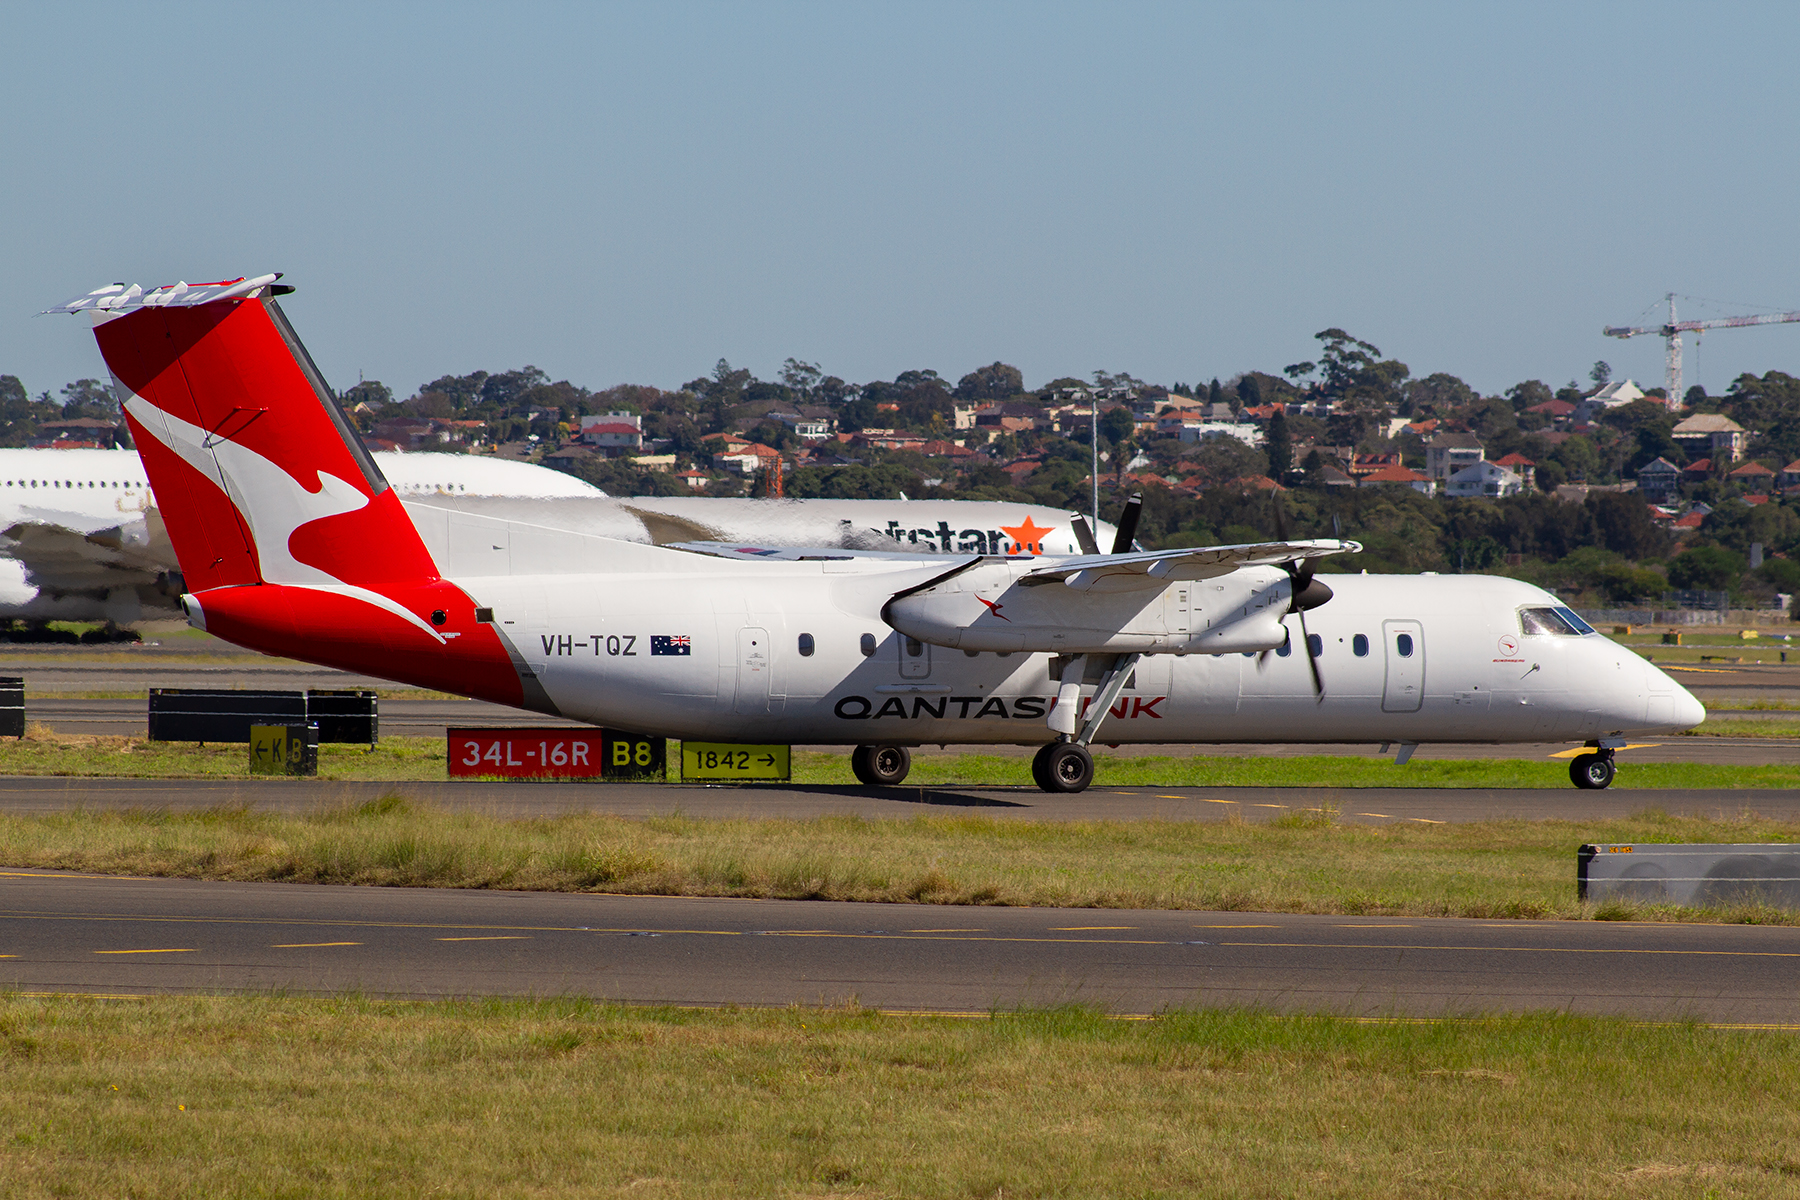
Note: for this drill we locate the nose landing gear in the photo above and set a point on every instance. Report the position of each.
(1593, 771)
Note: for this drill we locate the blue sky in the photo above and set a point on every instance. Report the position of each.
(625, 193)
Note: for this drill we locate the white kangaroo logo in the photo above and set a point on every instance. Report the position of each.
(272, 502)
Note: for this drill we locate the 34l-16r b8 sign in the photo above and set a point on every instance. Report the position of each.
(563, 753)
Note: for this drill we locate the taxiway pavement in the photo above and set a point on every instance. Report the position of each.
(71, 933)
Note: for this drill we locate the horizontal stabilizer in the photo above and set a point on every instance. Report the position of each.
(119, 297)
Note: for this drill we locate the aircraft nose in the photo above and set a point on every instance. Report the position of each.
(1689, 712)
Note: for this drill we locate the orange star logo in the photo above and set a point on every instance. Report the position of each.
(1027, 536)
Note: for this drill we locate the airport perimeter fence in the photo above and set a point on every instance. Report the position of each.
(1600, 617)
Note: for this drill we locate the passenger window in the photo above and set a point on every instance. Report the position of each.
(1403, 644)
(868, 644)
(806, 645)
(1315, 644)
(1286, 648)
(1359, 645)
(914, 647)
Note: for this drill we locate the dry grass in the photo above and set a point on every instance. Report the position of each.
(182, 1097)
(1303, 862)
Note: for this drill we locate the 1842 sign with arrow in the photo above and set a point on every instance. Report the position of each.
(723, 761)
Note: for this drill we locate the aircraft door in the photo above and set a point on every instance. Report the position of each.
(1404, 688)
(915, 658)
(755, 664)
(1175, 610)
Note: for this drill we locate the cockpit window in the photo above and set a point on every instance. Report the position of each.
(1559, 621)
(1581, 626)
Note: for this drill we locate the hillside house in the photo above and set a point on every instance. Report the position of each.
(1487, 480)
(1657, 479)
(1398, 476)
(1753, 477)
(1713, 435)
(1448, 453)
(614, 433)
(1523, 467)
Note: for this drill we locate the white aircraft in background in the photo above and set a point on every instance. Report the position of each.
(81, 540)
(292, 542)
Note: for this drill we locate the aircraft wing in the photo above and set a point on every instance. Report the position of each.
(1160, 566)
(742, 550)
(60, 559)
(1114, 603)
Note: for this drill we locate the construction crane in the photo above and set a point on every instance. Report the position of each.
(1672, 331)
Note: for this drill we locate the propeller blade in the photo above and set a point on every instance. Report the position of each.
(1311, 660)
(1128, 523)
(1084, 535)
(1281, 525)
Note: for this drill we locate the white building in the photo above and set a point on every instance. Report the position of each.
(1613, 395)
(614, 432)
(1247, 432)
(1484, 479)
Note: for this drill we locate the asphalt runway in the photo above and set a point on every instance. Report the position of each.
(85, 934)
(34, 795)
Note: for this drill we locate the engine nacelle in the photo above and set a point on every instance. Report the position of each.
(989, 607)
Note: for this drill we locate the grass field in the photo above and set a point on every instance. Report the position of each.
(266, 1097)
(43, 752)
(1304, 862)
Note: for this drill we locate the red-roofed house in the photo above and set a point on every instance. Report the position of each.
(1398, 476)
(1698, 471)
(1755, 476)
(1790, 475)
(748, 459)
(1556, 410)
(1255, 483)
(614, 432)
(1691, 521)
(696, 480)
(1368, 464)
(1521, 466)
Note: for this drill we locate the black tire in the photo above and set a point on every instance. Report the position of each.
(1039, 775)
(1592, 772)
(881, 766)
(1067, 768)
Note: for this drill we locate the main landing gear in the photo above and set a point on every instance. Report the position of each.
(881, 766)
(1593, 770)
(1063, 767)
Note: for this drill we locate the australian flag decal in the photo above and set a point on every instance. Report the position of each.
(671, 645)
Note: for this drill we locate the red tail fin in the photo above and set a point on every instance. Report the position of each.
(260, 476)
(290, 540)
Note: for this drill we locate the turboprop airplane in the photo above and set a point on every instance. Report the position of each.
(292, 542)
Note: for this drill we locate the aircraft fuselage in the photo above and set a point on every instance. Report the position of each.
(782, 658)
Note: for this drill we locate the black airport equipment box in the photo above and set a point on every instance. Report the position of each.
(12, 706)
(220, 715)
(344, 715)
